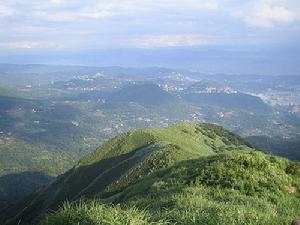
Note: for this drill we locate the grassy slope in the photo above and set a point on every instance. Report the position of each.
(229, 188)
(124, 159)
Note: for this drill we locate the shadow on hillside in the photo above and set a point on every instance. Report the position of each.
(288, 148)
(84, 181)
(14, 187)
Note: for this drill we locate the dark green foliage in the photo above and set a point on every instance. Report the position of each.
(251, 174)
(232, 101)
(289, 148)
(293, 168)
(144, 94)
(14, 187)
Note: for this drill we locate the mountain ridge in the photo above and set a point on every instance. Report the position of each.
(231, 188)
(121, 161)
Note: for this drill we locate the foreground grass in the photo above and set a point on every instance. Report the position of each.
(94, 212)
(231, 188)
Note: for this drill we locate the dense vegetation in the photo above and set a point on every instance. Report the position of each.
(121, 161)
(96, 213)
(231, 101)
(229, 188)
(36, 139)
(279, 146)
(184, 174)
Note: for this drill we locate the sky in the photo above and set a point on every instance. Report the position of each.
(151, 32)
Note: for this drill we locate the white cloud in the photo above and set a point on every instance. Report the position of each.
(28, 45)
(268, 13)
(19, 45)
(6, 11)
(170, 41)
(145, 23)
(113, 8)
(56, 2)
(179, 5)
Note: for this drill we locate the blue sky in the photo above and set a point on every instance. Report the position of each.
(34, 27)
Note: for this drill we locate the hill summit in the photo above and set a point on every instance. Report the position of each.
(184, 174)
(144, 94)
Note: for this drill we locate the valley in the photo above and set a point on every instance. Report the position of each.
(51, 116)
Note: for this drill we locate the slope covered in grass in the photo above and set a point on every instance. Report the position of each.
(121, 161)
(96, 213)
(229, 188)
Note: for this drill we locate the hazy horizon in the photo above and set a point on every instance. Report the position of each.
(232, 36)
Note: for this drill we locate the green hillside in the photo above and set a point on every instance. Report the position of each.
(233, 101)
(121, 161)
(144, 94)
(288, 148)
(228, 189)
(37, 142)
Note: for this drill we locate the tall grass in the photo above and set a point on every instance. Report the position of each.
(233, 188)
(93, 212)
